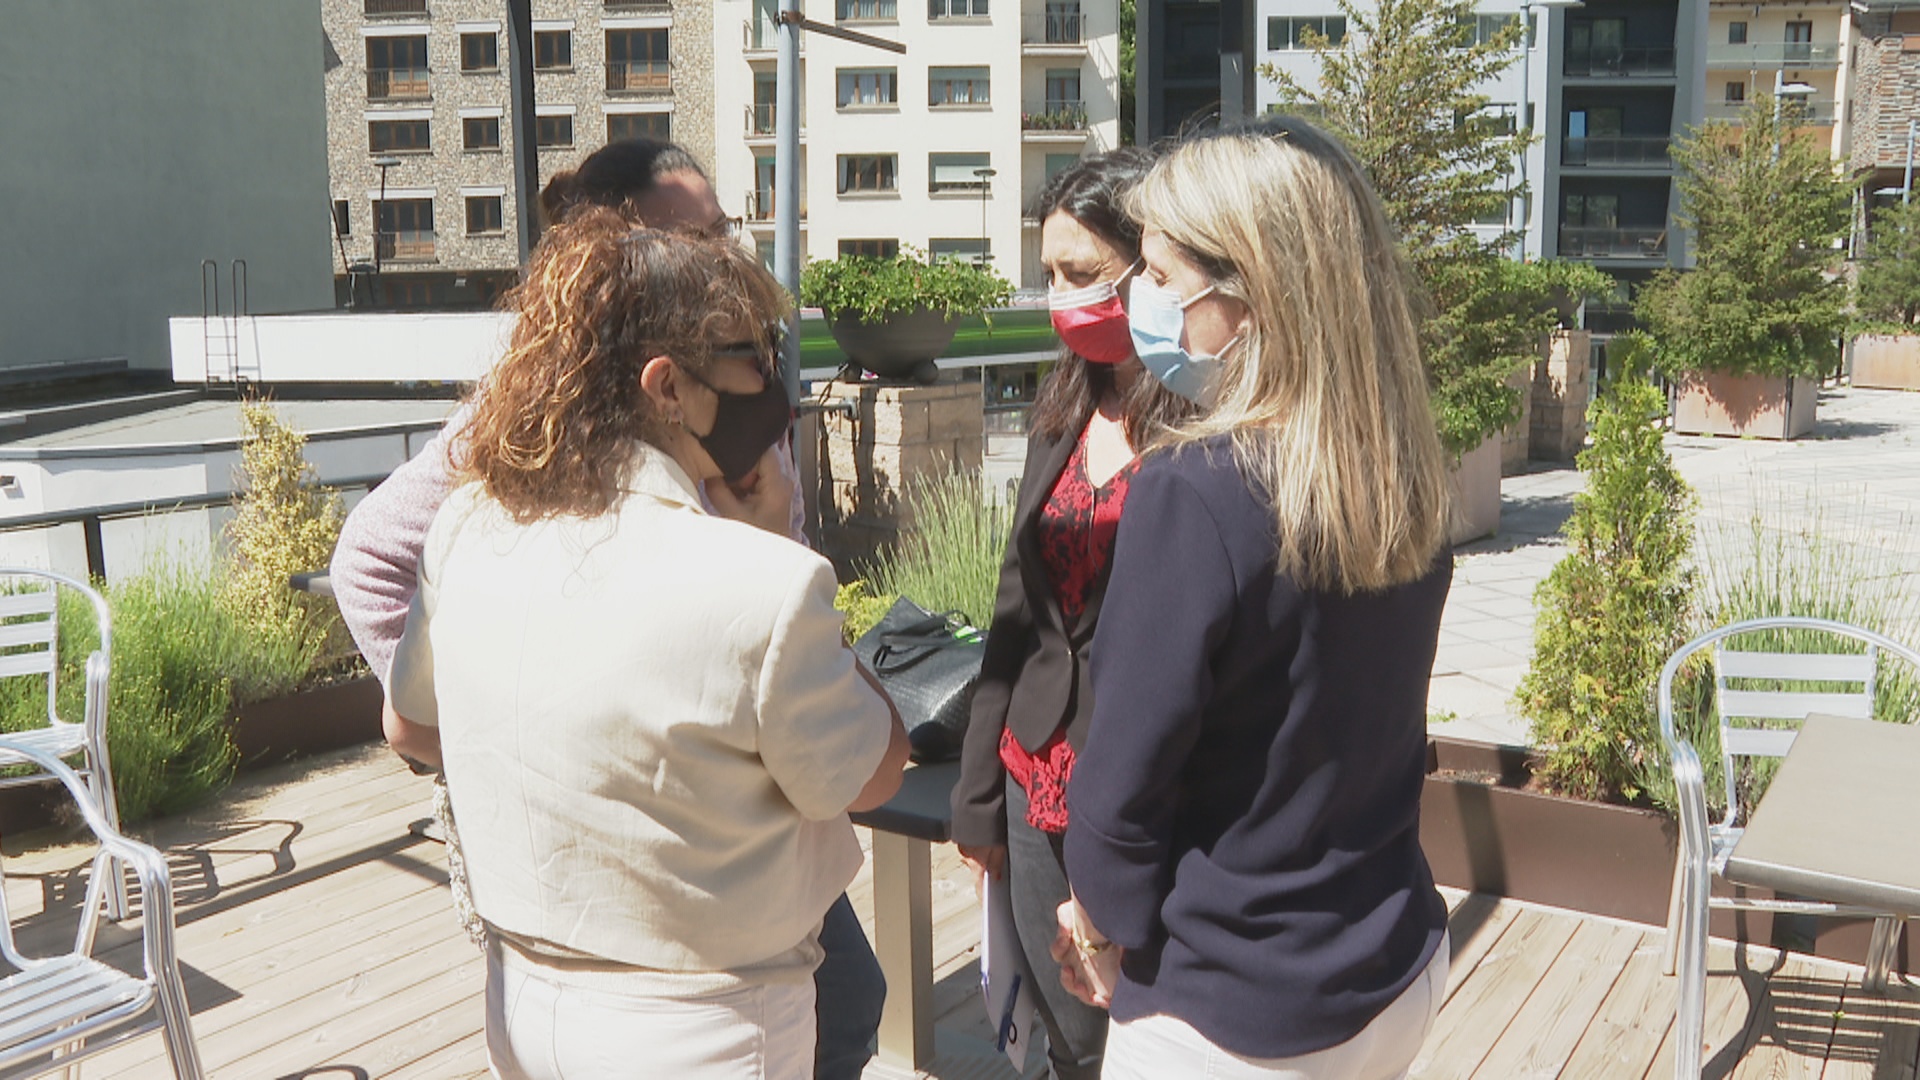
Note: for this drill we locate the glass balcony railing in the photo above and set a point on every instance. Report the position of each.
(1813, 112)
(1053, 28)
(1590, 242)
(1772, 54)
(1619, 63)
(1639, 151)
(397, 84)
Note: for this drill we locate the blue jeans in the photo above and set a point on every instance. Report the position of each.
(849, 992)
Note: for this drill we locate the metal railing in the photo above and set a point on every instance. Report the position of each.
(761, 35)
(1774, 54)
(404, 244)
(1053, 115)
(636, 76)
(1648, 151)
(397, 84)
(377, 8)
(1584, 241)
(761, 119)
(1053, 28)
(760, 205)
(1817, 112)
(1619, 63)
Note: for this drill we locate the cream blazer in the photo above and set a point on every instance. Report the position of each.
(651, 727)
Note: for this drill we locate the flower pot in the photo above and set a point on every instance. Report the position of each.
(899, 346)
(1886, 361)
(1474, 482)
(1762, 406)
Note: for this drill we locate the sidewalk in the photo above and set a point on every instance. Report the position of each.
(1860, 470)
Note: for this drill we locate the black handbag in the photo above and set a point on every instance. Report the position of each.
(928, 662)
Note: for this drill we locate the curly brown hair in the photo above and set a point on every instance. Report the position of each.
(554, 424)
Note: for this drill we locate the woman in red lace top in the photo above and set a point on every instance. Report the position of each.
(1096, 411)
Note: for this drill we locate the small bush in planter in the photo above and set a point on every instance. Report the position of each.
(283, 524)
(1888, 296)
(871, 289)
(948, 561)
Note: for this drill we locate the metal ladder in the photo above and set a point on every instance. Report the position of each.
(220, 331)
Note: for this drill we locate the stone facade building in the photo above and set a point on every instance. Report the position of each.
(420, 132)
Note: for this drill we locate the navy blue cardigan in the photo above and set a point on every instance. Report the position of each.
(1244, 817)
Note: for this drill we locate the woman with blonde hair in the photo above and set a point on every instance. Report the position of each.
(1250, 898)
(651, 728)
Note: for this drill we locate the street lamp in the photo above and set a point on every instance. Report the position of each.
(1527, 8)
(986, 175)
(383, 163)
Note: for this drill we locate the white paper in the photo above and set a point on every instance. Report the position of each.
(1003, 979)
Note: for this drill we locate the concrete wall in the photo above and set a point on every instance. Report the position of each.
(140, 139)
(389, 347)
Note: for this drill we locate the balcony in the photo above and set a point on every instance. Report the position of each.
(397, 84)
(1627, 151)
(1054, 33)
(388, 9)
(1053, 120)
(763, 36)
(1774, 54)
(639, 77)
(1589, 242)
(1814, 112)
(405, 245)
(760, 208)
(763, 122)
(1619, 63)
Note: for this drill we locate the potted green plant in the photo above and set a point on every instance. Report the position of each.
(895, 316)
(1885, 352)
(1749, 331)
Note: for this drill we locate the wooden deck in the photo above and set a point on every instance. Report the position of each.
(319, 943)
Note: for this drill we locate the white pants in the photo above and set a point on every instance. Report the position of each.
(544, 1024)
(1156, 1047)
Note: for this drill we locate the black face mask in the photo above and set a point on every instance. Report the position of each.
(744, 427)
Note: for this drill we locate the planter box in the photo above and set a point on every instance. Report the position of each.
(1763, 406)
(1475, 486)
(1481, 831)
(899, 346)
(1886, 361)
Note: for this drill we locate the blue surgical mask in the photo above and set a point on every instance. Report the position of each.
(1157, 318)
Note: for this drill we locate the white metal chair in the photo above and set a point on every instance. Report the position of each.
(30, 649)
(1754, 723)
(58, 1010)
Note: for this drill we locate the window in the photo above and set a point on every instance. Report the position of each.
(1736, 33)
(1290, 33)
(404, 136)
(480, 52)
(872, 249)
(396, 67)
(1592, 211)
(766, 93)
(868, 172)
(405, 229)
(1485, 26)
(974, 250)
(957, 86)
(1062, 88)
(483, 215)
(862, 88)
(480, 132)
(342, 225)
(1498, 116)
(1059, 163)
(1736, 92)
(552, 50)
(957, 9)
(958, 172)
(1799, 42)
(648, 125)
(552, 131)
(853, 10)
(637, 60)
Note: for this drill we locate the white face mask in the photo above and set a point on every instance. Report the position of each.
(1157, 318)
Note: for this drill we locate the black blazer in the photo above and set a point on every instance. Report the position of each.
(1034, 676)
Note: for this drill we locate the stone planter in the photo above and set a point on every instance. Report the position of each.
(1762, 406)
(901, 346)
(1886, 361)
(1475, 485)
(1482, 831)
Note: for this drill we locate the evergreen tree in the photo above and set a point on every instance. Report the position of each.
(1889, 286)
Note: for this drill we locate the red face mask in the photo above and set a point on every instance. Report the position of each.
(1092, 321)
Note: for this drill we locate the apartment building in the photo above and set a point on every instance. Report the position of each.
(1800, 52)
(938, 149)
(420, 136)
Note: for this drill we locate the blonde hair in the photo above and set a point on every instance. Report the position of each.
(1325, 396)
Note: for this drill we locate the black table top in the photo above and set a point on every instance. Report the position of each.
(923, 808)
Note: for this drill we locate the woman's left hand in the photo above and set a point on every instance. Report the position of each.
(1089, 974)
(763, 498)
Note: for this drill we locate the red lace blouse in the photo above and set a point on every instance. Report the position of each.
(1075, 535)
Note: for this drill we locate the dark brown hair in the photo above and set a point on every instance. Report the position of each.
(1092, 193)
(554, 424)
(614, 175)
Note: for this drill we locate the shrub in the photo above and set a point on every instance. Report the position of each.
(949, 558)
(283, 524)
(1613, 610)
(873, 288)
(1889, 281)
(862, 608)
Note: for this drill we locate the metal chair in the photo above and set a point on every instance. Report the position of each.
(30, 649)
(1753, 723)
(57, 1010)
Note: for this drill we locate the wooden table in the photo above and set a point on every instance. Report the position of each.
(904, 832)
(1837, 823)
